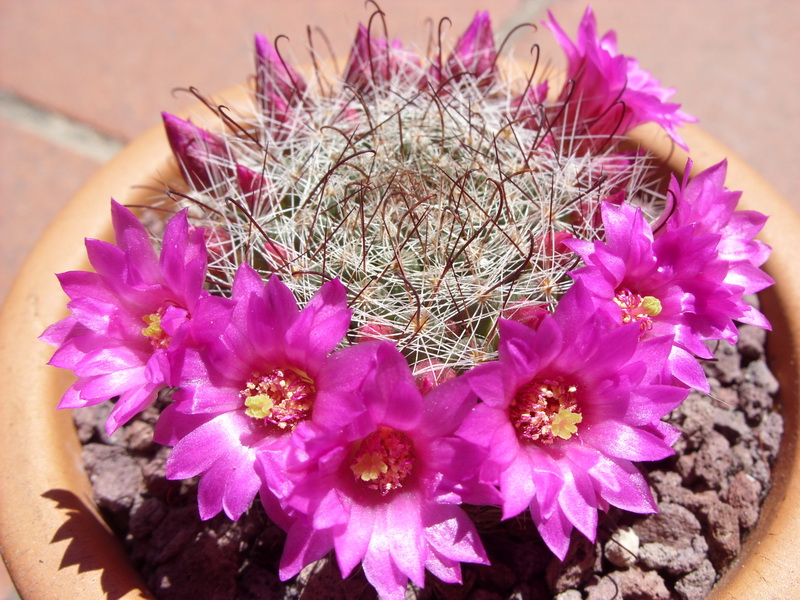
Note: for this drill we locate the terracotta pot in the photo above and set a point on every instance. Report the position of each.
(52, 538)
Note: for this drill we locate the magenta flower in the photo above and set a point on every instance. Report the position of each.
(707, 205)
(377, 475)
(126, 314)
(608, 93)
(565, 410)
(677, 285)
(244, 390)
(474, 54)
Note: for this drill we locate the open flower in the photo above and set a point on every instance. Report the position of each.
(609, 93)
(565, 410)
(677, 284)
(710, 208)
(244, 390)
(377, 475)
(126, 314)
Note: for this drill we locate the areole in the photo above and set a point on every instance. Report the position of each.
(51, 535)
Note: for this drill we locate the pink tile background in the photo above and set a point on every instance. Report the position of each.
(111, 66)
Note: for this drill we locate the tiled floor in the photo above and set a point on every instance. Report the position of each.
(79, 79)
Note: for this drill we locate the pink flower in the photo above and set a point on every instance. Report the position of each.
(377, 475)
(710, 208)
(676, 285)
(244, 390)
(473, 55)
(126, 315)
(608, 93)
(565, 410)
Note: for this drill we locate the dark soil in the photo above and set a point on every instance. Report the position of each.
(709, 497)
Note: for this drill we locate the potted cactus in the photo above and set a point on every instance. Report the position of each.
(385, 295)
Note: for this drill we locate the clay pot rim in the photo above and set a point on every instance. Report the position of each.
(46, 562)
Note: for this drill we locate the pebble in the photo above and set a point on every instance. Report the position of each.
(713, 460)
(758, 373)
(726, 366)
(743, 494)
(769, 434)
(576, 569)
(731, 423)
(755, 401)
(673, 524)
(751, 341)
(630, 584)
(724, 541)
(673, 560)
(622, 549)
(697, 584)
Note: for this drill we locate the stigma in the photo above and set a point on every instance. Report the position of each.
(638, 309)
(283, 397)
(546, 409)
(383, 460)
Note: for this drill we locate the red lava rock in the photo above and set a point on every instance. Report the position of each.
(697, 584)
(674, 560)
(754, 400)
(139, 436)
(116, 478)
(630, 584)
(698, 502)
(743, 495)
(147, 517)
(731, 423)
(751, 341)
(727, 397)
(723, 537)
(577, 568)
(769, 434)
(672, 524)
(204, 571)
(713, 460)
(726, 366)
(487, 595)
(758, 373)
(695, 419)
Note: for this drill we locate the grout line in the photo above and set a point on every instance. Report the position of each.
(58, 129)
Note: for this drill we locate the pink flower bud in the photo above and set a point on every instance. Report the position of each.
(201, 154)
(431, 373)
(525, 312)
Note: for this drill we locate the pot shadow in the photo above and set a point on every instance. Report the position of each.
(92, 547)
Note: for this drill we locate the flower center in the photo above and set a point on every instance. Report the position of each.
(545, 409)
(283, 397)
(157, 336)
(383, 460)
(638, 309)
